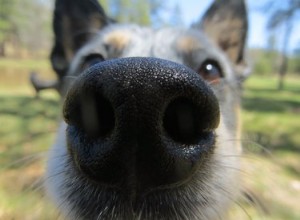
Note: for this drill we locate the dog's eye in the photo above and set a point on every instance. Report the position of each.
(91, 60)
(210, 71)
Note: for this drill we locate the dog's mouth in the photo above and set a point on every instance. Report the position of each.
(88, 200)
(146, 128)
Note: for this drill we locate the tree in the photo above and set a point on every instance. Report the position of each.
(283, 14)
(134, 11)
(176, 16)
(24, 23)
(295, 61)
(6, 25)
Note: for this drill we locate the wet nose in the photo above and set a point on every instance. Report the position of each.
(140, 123)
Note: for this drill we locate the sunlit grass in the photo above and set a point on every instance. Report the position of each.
(271, 116)
(8, 63)
(271, 130)
(15, 73)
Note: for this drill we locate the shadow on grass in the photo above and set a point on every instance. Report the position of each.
(278, 106)
(26, 126)
(25, 107)
(267, 143)
(266, 105)
(290, 89)
(261, 100)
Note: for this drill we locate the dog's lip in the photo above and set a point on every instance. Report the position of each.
(134, 195)
(134, 201)
(130, 186)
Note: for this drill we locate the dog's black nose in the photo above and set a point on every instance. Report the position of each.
(140, 123)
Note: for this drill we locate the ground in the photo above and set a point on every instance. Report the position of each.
(270, 138)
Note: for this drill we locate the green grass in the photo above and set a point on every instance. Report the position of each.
(271, 132)
(272, 116)
(26, 64)
(27, 129)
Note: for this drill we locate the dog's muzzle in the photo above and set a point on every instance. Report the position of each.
(140, 124)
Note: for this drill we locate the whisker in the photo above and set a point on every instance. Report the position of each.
(35, 186)
(71, 77)
(252, 146)
(24, 160)
(54, 175)
(228, 195)
(252, 199)
(60, 206)
(241, 171)
(39, 183)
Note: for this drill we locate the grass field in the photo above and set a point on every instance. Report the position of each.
(271, 143)
(271, 134)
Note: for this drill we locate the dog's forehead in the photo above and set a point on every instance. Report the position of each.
(185, 46)
(133, 40)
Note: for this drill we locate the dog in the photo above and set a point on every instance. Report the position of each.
(151, 125)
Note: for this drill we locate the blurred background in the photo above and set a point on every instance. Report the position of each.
(271, 101)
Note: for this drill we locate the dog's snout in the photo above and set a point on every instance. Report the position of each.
(140, 123)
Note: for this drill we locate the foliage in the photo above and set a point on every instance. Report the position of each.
(6, 9)
(294, 64)
(27, 23)
(283, 15)
(263, 61)
(134, 11)
(266, 62)
(281, 12)
(24, 23)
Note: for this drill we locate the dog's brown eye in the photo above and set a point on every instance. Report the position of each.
(91, 60)
(210, 71)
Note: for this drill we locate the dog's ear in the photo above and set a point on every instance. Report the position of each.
(226, 23)
(75, 22)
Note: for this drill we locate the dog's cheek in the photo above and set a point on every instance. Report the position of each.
(226, 178)
(57, 169)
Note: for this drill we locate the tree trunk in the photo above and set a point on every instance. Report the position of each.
(282, 71)
(284, 59)
(2, 49)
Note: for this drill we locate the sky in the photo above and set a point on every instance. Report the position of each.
(192, 10)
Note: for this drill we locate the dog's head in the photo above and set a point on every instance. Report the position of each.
(152, 116)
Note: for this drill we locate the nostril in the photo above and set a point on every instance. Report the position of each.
(92, 113)
(185, 122)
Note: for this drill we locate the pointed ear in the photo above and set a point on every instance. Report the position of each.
(75, 22)
(226, 24)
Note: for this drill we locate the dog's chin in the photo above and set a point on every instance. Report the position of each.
(80, 198)
(87, 200)
(206, 195)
